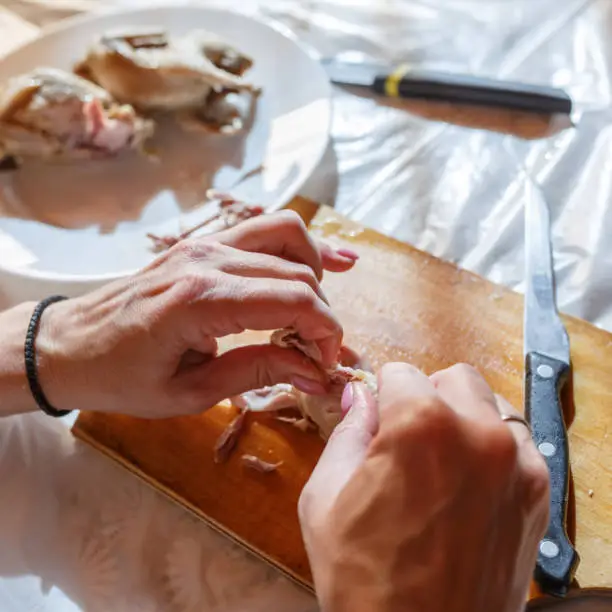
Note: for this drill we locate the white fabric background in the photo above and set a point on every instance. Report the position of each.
(76, 532)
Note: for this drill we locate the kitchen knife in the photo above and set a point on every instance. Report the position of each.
(405, 82)
(547, 365)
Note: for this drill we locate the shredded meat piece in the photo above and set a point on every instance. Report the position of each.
(303, 424)
(338, 374)
(234, 212)
(289, 338)
(229, 438)
(162, 243)
(267, 399)
(231, 212)
(259, 465)
(324, 412)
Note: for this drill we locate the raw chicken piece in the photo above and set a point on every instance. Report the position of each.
(154, 71)
(49, 113)
(324, 411)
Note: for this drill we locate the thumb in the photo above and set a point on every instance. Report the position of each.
(244, 369)
(345, 451)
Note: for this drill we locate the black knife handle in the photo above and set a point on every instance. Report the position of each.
(468, 89)
(544, 382)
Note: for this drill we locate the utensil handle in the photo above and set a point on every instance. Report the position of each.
(545, 378)
(468, 89)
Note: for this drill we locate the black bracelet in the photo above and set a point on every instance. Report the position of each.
(30, 358)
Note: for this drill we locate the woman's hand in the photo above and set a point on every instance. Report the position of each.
(428, 503)
(146, 345)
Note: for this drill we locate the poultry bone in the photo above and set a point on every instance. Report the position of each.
(49, 114)
(190, 75)
(324, 412)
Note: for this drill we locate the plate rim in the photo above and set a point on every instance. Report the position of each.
(92, 16)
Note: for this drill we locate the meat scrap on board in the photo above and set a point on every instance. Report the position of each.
(231, 212)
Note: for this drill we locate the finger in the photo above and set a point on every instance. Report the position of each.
(283, 234)
(401, 383)
(336, 260)
(238, 304)
(261, 265)
(467, 393)
(244, 369)
(347, 447)
(520, 432)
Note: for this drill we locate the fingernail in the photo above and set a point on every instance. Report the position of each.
(347, 399)
(348, 254)
(306, 385)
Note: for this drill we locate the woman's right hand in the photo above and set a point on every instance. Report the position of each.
(428, 502)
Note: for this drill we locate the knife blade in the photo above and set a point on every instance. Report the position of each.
(405, 82)
(547, 366)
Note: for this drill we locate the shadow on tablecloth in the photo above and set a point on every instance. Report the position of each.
(90, 533)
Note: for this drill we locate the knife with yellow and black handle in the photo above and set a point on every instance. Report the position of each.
(409, 83)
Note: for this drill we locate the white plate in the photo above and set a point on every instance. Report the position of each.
(106, 208)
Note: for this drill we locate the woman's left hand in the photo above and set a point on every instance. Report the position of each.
(147, 345)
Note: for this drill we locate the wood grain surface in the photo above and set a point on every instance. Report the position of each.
(579, 600)
(397, 304)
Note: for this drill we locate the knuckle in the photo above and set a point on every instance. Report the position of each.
(194, 249)
(185, 249)
(194, 284)
(424, 418)
(289, 220)
(458, 371)
(306, 275)
(302, 296)
(463, 371)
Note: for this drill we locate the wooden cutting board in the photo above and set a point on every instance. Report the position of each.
(397, 304)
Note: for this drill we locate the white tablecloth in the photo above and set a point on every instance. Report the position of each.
(77, 532)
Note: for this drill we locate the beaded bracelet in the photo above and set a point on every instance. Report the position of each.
(30, 358)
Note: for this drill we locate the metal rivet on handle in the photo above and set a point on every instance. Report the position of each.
(549, 549)
(545, 371)
(547, 449)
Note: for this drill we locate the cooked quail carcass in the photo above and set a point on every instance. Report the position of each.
(322, 411)
(154, 71)
(49, 113)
